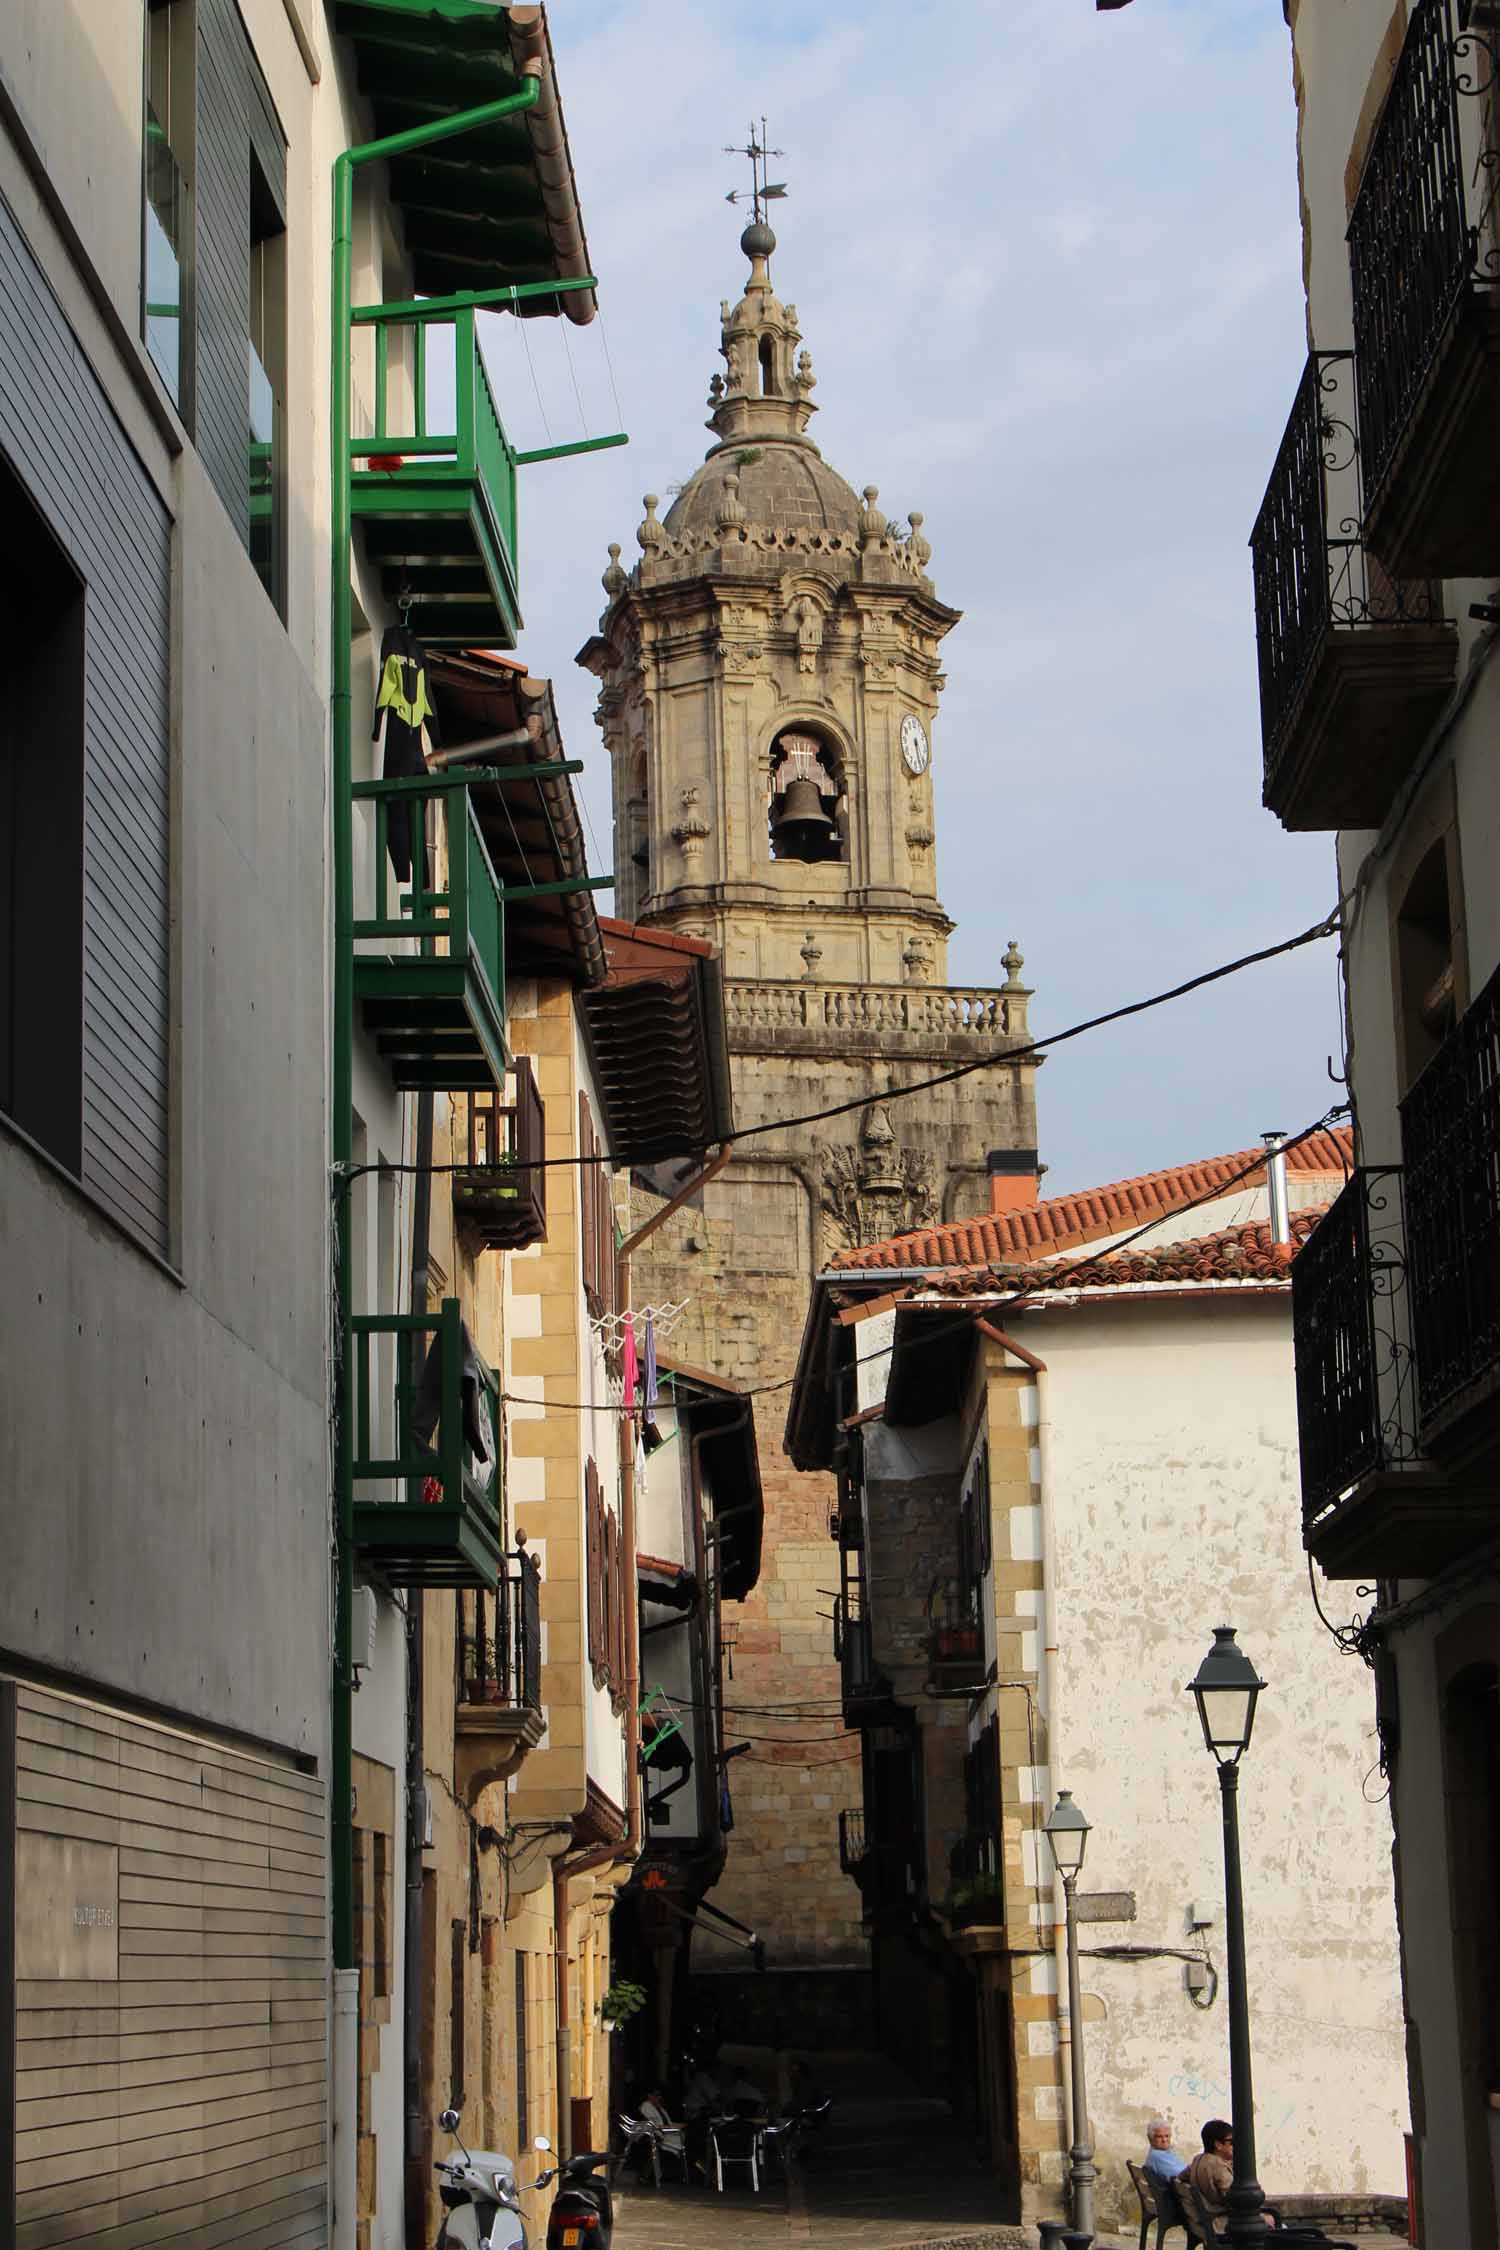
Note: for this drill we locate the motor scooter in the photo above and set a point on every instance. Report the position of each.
(481, 2197)
(583, 2210)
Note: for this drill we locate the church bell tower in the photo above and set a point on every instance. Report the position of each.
(770, 674)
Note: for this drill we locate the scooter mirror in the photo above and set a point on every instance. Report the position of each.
(449, 2120)
(543, 2144)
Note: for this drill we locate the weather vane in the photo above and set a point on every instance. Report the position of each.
(762, 190)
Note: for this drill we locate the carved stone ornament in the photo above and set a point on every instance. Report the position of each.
(807, 619)
(692, 828)
(878, 1188)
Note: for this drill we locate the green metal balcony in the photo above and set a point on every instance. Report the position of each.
(427, 1512)
(437, 505)
(436, 1009)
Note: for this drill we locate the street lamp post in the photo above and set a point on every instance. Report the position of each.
(1068, 1833)
(1226, 1689)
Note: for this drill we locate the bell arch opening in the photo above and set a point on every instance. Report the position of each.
(806, 809)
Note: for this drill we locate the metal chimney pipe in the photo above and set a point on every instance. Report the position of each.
(1281, 1211)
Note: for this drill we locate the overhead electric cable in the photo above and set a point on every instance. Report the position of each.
(1002, 1061)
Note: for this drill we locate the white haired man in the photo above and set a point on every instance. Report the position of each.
(1163, 2164)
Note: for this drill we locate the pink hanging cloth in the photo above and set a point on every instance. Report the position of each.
(631, 1364)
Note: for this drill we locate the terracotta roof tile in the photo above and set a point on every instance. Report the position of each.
(1066, 1221)
(1232, 1254)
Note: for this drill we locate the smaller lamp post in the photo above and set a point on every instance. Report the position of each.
(1226, 1689)
(1068, 1833)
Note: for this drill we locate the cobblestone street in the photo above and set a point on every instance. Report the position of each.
(892, 2169)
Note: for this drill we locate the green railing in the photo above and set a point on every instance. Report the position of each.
(411, 452)
(388, 1448)
(465, 918)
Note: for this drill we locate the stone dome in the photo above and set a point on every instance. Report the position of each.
(783, 482)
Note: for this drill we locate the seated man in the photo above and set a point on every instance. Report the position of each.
(669, 2134)
(1162, 2163)
(1212, 2173)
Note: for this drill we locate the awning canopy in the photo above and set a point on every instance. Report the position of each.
(531, 826)
(490, 208)
(721, 1416)
(660, 1049)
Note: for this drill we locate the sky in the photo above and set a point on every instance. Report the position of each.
(1048, 266)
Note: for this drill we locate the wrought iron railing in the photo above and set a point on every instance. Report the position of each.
(502, 1186)
(854, 1652)
(1351, 1326)
(499, 1639)
(975, 1856)
(955, 1630)
(1450, 1134)
(1418, 236)
(1311, 570)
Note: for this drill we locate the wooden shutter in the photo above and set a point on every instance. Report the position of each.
(594, 1549)
(83, 476)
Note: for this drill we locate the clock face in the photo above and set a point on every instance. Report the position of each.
(914, 743)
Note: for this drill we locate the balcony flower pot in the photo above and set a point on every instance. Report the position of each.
(954, 1641)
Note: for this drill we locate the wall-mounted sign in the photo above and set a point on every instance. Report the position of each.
(67, 1909)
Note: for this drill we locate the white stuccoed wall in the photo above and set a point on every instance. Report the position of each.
(1171, 1505)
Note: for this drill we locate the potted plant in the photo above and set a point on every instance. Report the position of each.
(623, 2000)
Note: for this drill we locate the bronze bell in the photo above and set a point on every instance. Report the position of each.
(799, 824)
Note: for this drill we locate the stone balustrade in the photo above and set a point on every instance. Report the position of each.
(899, 1013)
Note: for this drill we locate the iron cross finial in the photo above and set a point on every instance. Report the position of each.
(761, 190)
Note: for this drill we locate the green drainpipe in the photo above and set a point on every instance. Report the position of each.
(395, 144)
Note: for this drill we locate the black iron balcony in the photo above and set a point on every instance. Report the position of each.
(498, 1645)
(1372, 1505)
(1425, 266)
(502, 1192)
(1354, 667)
(1450, 1132)
(866, 1691)
(976, 1881)
(955, 1642)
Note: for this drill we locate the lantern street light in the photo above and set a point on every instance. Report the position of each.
(1068, 1833)
(1226, 1689)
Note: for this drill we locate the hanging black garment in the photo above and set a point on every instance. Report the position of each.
(402, 709)
(427, 1406)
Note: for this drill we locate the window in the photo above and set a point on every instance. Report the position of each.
(167, 216)
(1425, 962)
(267, 383)
(523, 2074)
(768, 383)
(597, 1215)
(974, 1533)
(41, 838)
(606, 1578)
(805, 797)
(458, 1935)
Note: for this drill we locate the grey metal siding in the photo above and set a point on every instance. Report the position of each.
(64, 442)
(234, 115)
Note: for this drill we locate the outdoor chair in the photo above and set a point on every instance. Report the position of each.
(734, 2140)
(1159, 2204)
(1201, 2227)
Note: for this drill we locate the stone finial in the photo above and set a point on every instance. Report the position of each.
(872, 525)
(732, 509)
(614, 580)
(1013, 960)
(715, 390)
(921, 549)
(914, 960)
(806, 379)
(812, 954)
(649, 532)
